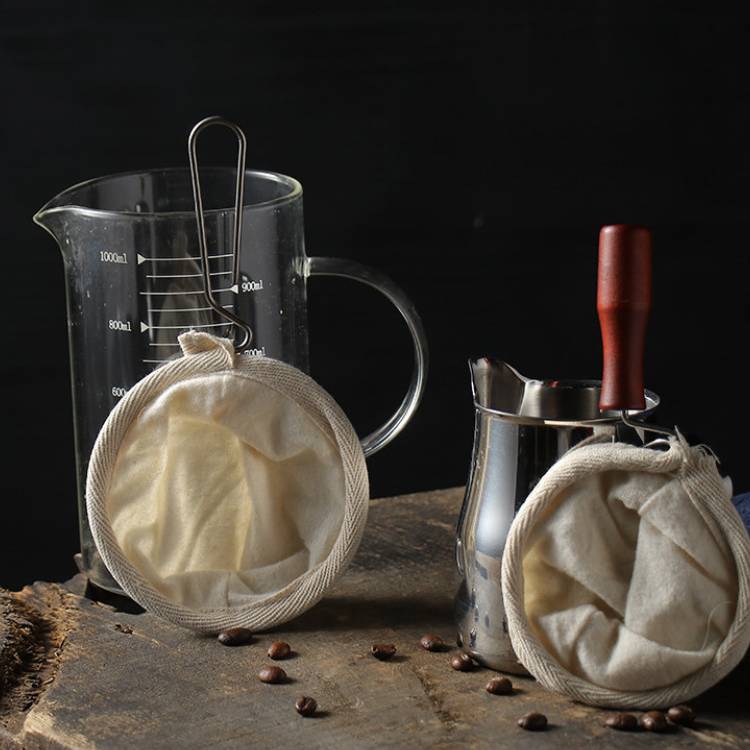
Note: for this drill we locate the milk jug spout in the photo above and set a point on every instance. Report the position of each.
(496, 385)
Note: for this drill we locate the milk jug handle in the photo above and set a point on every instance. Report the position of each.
(623, 301)
(350, 269)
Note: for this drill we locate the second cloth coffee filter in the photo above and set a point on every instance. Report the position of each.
(626, 576)
(226, 490)
(626, 572)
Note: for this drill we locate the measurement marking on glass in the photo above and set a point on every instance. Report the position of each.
(107, 256)
(120, 325)
(164, 310)
(145, 326)
(186, 275)
(234, 289)
(159, 343)
(255, 352)
(144, 259)
(153, 361)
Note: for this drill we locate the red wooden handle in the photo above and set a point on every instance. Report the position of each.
(623, 300)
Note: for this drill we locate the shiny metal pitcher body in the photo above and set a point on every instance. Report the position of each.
(522, 428)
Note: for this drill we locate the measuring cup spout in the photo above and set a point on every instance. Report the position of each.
(57, 218)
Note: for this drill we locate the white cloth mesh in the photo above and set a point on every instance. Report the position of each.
(226, 491)
(626, 576)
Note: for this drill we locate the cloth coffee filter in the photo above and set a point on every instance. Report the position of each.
(226, 490)
(626, 576)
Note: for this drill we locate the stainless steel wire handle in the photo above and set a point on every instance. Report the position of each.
(646, 426)
(239, 200)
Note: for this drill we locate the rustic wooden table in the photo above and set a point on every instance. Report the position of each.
(73, 675)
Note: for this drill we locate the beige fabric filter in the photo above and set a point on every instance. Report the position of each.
(226, 490)
(626, 576)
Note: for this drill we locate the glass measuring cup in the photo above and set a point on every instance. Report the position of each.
(134, 283)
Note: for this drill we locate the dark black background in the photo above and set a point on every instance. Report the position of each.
(470, 150)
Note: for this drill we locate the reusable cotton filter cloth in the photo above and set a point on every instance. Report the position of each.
(226, 490)
(626, 576)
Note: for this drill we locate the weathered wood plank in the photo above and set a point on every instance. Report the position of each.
(162, 687)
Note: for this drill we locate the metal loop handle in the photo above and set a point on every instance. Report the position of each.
(239, 200)
(350, 269)
(647, 427)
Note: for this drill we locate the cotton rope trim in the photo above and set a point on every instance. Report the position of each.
(703, 484)
(205, 354)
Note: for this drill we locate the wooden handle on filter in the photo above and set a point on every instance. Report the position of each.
(623, 301)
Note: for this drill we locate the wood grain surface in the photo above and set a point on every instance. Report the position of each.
(75, 676)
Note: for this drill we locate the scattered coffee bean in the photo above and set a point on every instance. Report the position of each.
(306, 706)
(462, 662)
(432, 642)
(654, 721)
(682, 715)
(383, 651)
(499, 686)
(533, 722)
(272, 675)
(623, 722)
(279, 650)
(235, 636)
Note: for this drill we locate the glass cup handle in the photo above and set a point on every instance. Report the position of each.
(350, 269)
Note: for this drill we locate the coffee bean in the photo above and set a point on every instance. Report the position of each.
(279, 650)
(623, 722)
(682, 715)
(272, 675)
(432, 642)
(654, 721)
(235, 636)
(383, 651)
(499, 686)
(462, 662)
(306, 706)
(533, 722)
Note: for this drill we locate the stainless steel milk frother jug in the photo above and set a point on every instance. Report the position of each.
(522, 428)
